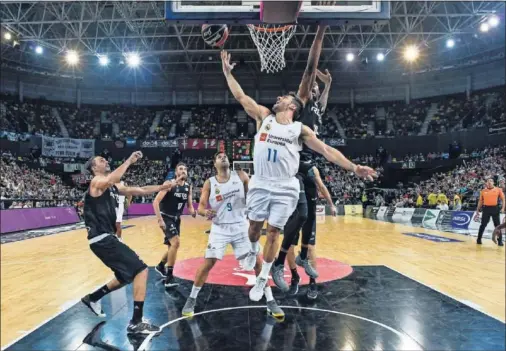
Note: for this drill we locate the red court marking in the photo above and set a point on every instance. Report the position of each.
(228, 271)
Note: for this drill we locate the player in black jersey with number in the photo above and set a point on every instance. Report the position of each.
(169, 206)
(100, 203)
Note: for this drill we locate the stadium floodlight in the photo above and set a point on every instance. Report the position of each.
(350, 57)
(7, 36)
(380, 57)
(133, 60)
(103, 60)
(39, 50)
(484, 27)
(411, 53)
(450, 43)
(493, 21)
(72, 57)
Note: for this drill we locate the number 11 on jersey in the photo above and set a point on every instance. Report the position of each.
(274, 154)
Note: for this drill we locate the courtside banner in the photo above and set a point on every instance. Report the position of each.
(353, 210)
(444, 219)
(461, 219)
(320, 210)
(390, 212)
(403, 214)
(417, 217)
(381, 213)
(475, 225)
(430, 218)
(374, 212)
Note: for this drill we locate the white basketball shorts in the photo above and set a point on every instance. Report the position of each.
(119, 213)
(223, 234)
(273, 201)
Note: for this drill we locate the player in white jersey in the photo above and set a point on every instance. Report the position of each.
(120, 210)
(274, 190)
(225, 193)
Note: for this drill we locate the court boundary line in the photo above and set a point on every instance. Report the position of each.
(401, 335)
(68, 305)
(448, 295)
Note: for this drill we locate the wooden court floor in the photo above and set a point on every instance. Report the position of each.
(40, 277)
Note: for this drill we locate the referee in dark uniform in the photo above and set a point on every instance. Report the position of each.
(489, 201)
(100, 202)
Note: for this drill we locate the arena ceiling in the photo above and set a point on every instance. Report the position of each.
(116, 27)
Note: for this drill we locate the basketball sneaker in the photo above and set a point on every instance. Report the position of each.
(160, 269)
(249, 262)
(170, 282)
(275, 311)
(142, 327)
(294, 287)
(95, 307)
(312, 292)
(257, 291)
(189, 307)
(278, 275)
(310, 270)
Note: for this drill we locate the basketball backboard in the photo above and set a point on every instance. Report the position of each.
(247, 11)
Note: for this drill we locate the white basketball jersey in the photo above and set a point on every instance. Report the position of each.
(228, 200)
(277, 146)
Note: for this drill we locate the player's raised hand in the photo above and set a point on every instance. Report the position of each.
(325, 78)
(134, 157)
(225, 60)
(366, 172)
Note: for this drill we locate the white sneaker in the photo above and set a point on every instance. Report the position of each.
(257, 291)
(249, 262)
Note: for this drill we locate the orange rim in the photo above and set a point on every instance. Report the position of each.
(271, 30)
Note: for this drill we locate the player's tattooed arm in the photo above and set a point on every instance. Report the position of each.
(245, 180)
(335, 156)
(309, 76)
(254, 110)
(327, 80)
(192, 211)
(204, 201)
(323, 190)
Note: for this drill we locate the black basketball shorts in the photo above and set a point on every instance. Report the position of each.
(120, 258)
(172, 227)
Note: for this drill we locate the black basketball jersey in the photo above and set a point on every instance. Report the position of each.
(311, 117)
(173, 202)
(100, 212)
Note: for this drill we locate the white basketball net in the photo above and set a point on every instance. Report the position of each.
(271, 41)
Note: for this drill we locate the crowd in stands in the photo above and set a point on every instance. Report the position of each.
(483, 109)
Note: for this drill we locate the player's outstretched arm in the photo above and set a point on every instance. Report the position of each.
(104, 182)
(147, 190)
(323, 189)
(309, 76)
(334, 155)
(254, 110)
(327, 80)
(245, 180)
(204, 202)
(190, 203)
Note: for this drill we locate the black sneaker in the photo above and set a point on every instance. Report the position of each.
(170, 282)
(500, 243)
(142, 327)
(294, 287)
(95, 307)
(312, 292)
(161, 270)
(478, 241)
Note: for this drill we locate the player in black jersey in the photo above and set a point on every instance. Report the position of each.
(169, 206)
(100, 202)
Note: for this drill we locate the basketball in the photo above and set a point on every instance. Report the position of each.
(215, 34)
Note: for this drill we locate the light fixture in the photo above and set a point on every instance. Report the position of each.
(380, 57)
(350, 57)
(493, 21)
(484, 27)
(133, 60)
(72, 57)
(7, 36)
(450, 43)
(39, 50)
(411, 53)
(103, 60)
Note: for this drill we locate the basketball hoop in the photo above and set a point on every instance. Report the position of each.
(271, 41)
